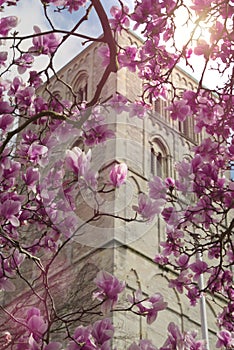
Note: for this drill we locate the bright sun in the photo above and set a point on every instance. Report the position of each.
(186, 28)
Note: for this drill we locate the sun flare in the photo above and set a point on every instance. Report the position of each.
(189, 30)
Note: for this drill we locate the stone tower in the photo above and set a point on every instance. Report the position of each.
(150, 146)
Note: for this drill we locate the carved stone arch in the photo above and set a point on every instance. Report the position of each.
(187, 157)
(161, 141)
(69, 72)
(57, 94)
(184, 83)
(190, 86)
(159, 157)
(177, 77)
(80, 86)
(87, 59)
(75, 67)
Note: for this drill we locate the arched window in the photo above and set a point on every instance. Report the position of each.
(160, 107)
(81, 87)
(158, 159)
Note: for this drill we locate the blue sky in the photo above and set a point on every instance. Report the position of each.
(30, 13)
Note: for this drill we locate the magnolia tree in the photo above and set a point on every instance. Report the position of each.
(32, 128)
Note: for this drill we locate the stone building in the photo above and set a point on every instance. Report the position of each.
(150, 146)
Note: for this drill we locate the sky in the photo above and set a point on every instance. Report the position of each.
(30, 13)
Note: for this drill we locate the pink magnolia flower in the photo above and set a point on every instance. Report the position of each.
(98, 134)
(225, 318)
(6, 122)
(175, 338)
(9, 169)
(103, 331)
(148, 208)
(185, 169)
(24, 62)
(191, 342)
(127, 58)
(178, 340)
(170, 183)
(179, 110)
(198, 267)
(143, 345)
(36, 323)
(193, 295)
(118, 174)
(161, 259)
(9, 210)
(8, 2)
(44, 44)
(36, 152)
(138, 109)
(34, 79)
(148, 307)
(216, 31)
(16, 84)
(25, 96)
(171, 216)
(173, 242)
(82, 336)
(74, 5)
(7, 23)
(79, 162)
(190, 97)
(109, 288)
(180, 282)
(31, 177)
(144, 9)
(202, 48)
(225, 338)
(5, 107)
(157, 304)
(182, 261)
(157, 188)
(119, 103)
(120, 18)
